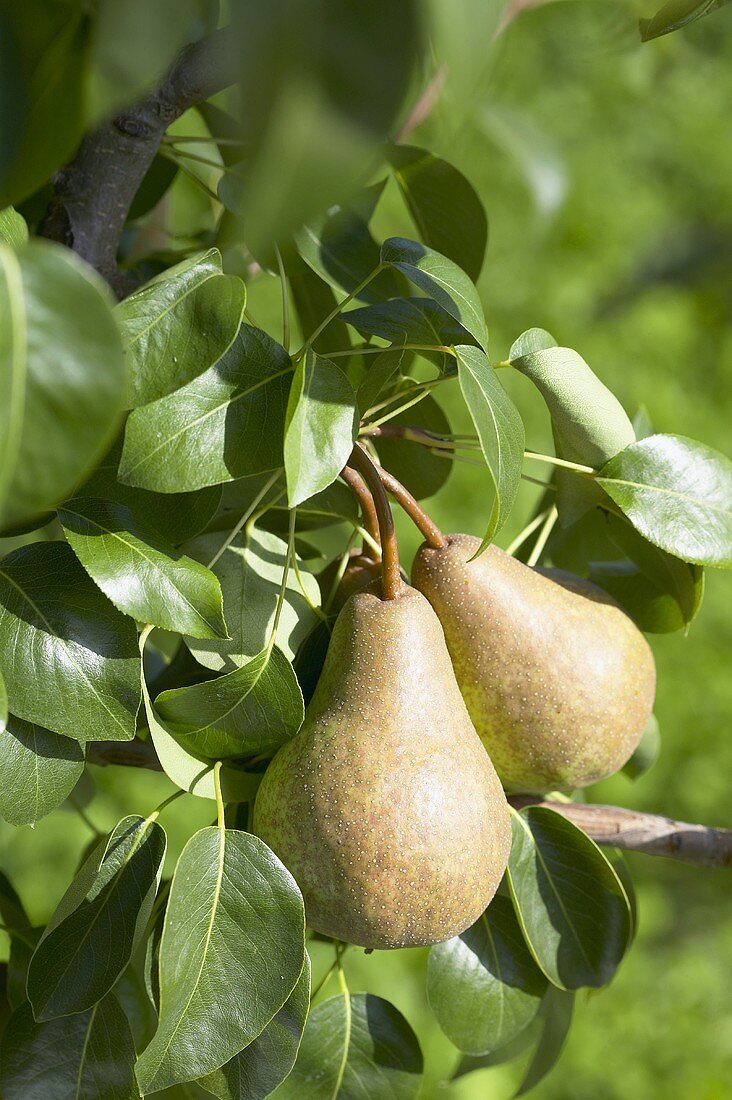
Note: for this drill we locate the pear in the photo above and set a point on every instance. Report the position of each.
(557, 678)
(385, 806)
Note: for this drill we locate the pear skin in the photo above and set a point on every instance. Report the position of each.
(557, 678)
(385, 806)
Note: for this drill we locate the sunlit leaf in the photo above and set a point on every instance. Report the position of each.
(218, 988)
(70, 658)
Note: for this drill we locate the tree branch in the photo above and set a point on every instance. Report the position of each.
(639, 832)
(94, 192)
(612, 826)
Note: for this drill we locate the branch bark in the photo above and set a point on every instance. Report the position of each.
(94, 192)
(638, 832)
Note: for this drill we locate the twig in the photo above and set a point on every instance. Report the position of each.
(639, 832)
(128, 754)
(432, 533)
(424, 105)
(370, 519)
(391, 579)
(94, 192)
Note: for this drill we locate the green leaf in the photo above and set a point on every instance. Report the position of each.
(678, 494)
(340, 249)
(267, 1061)
(529, 342)
(676, 14)
(380, 372)
(59, 410)
(99, 921)
(441, 279)
(500, 431)
(420, 471)
(507, 1053)
(445, 208)
(646, 752)
(12, 912)
(250, 572)
(22, 946)
(571, 906)
(537, 153)
(557, 1013)
(213, 429)
(353, 1047)
(218, 987)
(58, 629)
(13, 229)
(179, 325)
(3, 705)
(320, 427)
(588, 422)
(336, 504)
(660, 592)
(252, 710)
(38, 770)
(191, 772)
(174, 517)
(483, 985)
(89, 1056)
(314, 300)
(141, 575)
(411, 321)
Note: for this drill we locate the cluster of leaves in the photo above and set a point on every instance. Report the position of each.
(180, 488)
(166, 468)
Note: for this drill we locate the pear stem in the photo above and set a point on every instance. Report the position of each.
(432, 534)
(355, 482)
(391, 580)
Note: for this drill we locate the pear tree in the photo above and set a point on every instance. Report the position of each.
(201, 574)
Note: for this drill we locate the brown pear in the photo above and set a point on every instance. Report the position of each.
(557, 678)
(385, 806)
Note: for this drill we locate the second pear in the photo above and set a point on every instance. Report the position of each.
(558, 680)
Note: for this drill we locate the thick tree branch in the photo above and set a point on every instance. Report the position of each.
(94, 192)
(639, 832)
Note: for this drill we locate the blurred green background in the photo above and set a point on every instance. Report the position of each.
(606, 171)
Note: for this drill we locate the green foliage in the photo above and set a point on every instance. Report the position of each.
(228, 892)
(355, 1045)
(205, 512)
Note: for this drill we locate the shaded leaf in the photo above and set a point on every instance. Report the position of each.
(265, 1063)
(12, 912)
(213, 429)
(99, 921)
(174, 517)
(141, 575)
(38, 770)
(379, 374)
(646, 752)
(507, 1053)
(179, 325)
(557, 1013)
(678, 494)
(500, 431)
(420, 471)
(676, 14)
(60, 410)
(445, 208)
(354, 1047)
(339, 248)
(314, 300)
(570, 904)
(57, 628)
(89, 1056)
(441, 279)
(411, 321)
(483, 985)
(254, 709)
(218, 988)
(250, 572)
(320, 427)
(189, 771)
